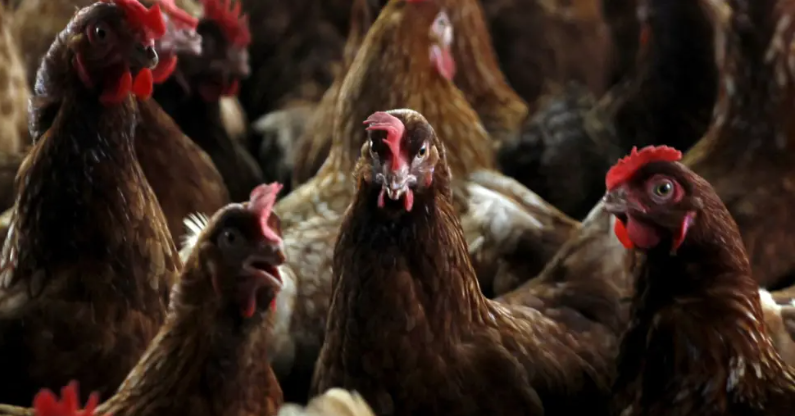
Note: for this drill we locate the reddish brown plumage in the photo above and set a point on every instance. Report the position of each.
(88, 259)
(408, 327)
(208, 359)
(697, 342)
(747, 154)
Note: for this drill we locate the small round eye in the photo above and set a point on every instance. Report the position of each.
(662, 189)
(98, 33)
(423, 151)
(230, 238)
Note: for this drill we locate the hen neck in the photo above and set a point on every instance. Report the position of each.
(204, 346)
(697, 330)
(415, 267)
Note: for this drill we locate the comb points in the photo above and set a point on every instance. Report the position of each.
(229, 18)
(626, 167)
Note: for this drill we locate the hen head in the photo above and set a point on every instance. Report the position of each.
(180, 38)
(416, 14)
(242, 248)
(224, 59)
(111, 41)
(654, 197)
(399, 157)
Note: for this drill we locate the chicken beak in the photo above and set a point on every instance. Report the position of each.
(619, 203)
(143, 56)
(397, 184)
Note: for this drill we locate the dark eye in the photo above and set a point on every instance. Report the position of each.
(423, 151)
(230, 238)
(98, 33)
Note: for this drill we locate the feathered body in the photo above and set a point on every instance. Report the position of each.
(409, 328)
(88, 260)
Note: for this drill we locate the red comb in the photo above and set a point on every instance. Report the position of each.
(626, 167)
(394, 129)
(262, 200)
(46, 403)
(148, 21)
(180, 17)
(228, 17)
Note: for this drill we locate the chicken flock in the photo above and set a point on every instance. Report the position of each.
(397, 207)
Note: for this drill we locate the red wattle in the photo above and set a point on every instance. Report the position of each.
(232, 88)
(408, 200)
(622, 235)
(118, 91)
(143, 86)
(164, 69)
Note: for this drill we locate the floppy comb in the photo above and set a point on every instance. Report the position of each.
(47, 404)
(261, 201)
(394, 129)
(228, 17)
(180, 17)
(625, 168)
(148, 21)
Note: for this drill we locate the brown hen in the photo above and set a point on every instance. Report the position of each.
(697, 342)
(748, 153)
(409, 328)
(209, 358)
(88, 260)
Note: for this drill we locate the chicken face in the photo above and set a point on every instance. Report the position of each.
(224, 60)
(403, 156)
(180, 38)
(441, 33)
(651, 198)
(246, 250)
(113, 40)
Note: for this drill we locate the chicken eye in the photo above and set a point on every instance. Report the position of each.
(230, 238)
(423, 151)
(662, 189)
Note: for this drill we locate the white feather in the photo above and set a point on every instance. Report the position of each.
(195, 224)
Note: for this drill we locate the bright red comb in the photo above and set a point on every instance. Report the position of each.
(46, 403)
(148, 21)
(394, 129)
(228, 17)
(626, 167)
(180, 17)
(262, 200)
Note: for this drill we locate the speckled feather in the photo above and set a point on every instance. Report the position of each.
(88, 259)
(409, 329)
(670, 363)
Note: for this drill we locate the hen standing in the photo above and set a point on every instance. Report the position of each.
(409, 328)
(209, 357)
(193, 97)
(88, 260)
(697, 272)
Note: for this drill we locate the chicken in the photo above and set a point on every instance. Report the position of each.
(181, 174)
(193, 97)
(209, 358)
(510, 229)
(407, 305)
(335, 402)
(313, 146)
(474, 67)
(746, 155)
(780, 325)
(667, 100)
(551, 41)
(88, 259)
(621, 17)
(696, 343)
